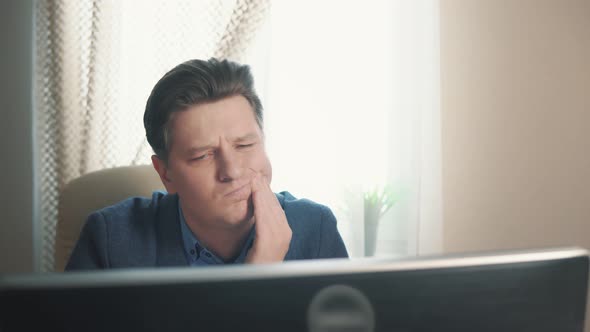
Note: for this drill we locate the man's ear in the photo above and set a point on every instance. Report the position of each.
(162, 170)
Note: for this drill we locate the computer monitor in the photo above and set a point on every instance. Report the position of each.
(502, 291)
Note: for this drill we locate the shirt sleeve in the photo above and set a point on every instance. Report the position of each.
(90, 252)
(331, 244)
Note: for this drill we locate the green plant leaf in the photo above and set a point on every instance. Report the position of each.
(380, 199)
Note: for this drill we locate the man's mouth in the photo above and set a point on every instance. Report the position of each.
(239, 194)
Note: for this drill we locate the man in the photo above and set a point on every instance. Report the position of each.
(204, 122)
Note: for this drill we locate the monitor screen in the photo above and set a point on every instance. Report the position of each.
(542, 290)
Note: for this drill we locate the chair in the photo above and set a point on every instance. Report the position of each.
(94, 191)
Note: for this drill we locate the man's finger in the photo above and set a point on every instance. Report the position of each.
(261, 190)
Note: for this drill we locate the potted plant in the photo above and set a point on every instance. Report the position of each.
(377, 202)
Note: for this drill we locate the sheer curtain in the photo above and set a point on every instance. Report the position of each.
(352, 103)
(350, 90)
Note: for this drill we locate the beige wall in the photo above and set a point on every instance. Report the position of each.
(515, 104)
(515, 123)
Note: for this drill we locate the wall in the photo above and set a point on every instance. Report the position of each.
(16, 133)
(515, 123)
(515, 99)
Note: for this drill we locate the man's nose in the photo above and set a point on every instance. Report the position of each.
(229, 165)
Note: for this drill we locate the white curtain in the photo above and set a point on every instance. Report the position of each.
(351, 91)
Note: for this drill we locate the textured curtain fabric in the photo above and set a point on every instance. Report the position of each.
(96, 64)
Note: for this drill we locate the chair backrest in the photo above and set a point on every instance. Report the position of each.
(92, 192)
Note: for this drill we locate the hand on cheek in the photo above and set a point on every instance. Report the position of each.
(273, 234)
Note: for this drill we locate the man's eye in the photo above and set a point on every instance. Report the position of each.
(242, 146)
(205, 156)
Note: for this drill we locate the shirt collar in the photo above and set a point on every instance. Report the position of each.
(196, 254)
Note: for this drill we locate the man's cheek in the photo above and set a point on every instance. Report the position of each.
(267, 170)
(261, 164)
(269, 174)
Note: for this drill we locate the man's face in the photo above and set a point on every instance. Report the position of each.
(216, 149)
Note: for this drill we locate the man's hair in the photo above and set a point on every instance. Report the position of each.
(192, 83)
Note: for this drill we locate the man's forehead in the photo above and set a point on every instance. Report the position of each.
(206, 121)
(199, 130)
(201, 125)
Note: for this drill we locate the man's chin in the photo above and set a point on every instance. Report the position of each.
(239, 215)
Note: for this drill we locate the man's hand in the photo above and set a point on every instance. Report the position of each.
(273, 234)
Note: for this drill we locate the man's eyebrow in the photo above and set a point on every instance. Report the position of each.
(246, 137)
(196, 149)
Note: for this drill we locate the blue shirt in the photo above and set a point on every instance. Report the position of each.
(198, 255)
(146, 232)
